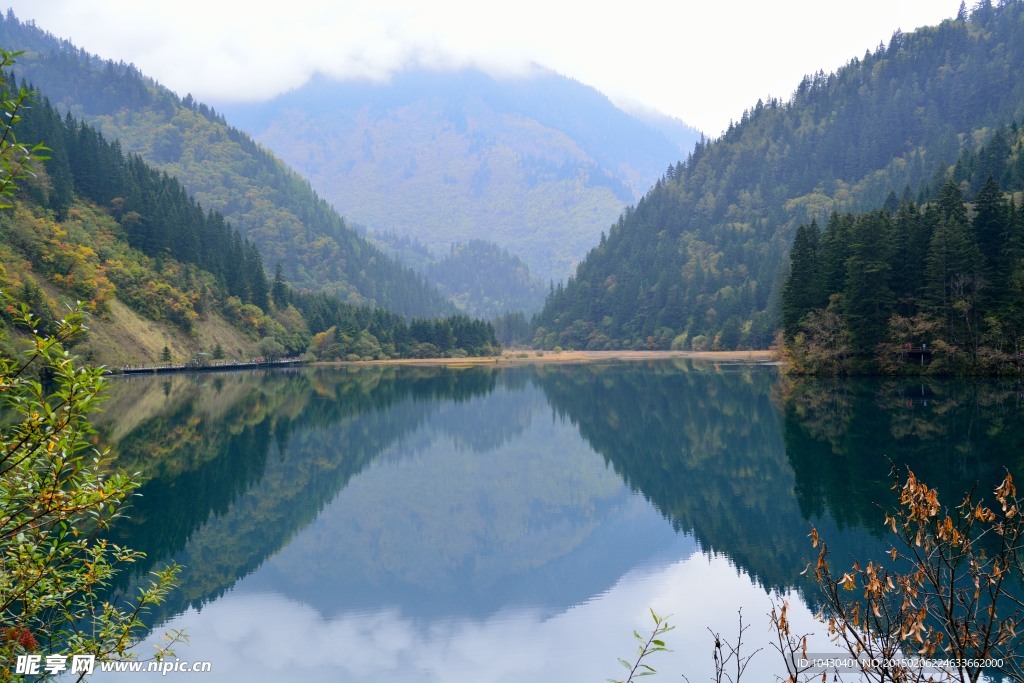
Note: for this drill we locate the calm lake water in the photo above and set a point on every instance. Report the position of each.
(482, 525)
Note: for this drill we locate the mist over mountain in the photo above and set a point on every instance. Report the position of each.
(538, 165)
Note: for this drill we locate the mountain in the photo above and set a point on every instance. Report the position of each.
(479, 277)
(699, 261)
(486, 281)
(907, 289)
(536, 164)
(160, 278)
(223, 169)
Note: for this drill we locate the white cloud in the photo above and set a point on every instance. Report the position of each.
(701, 61)
(265, 637)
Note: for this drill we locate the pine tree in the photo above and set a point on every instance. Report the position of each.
(279, 290)
(992, 231)
(952, 270)
(803, 290)
(834, 244)
(868, 301)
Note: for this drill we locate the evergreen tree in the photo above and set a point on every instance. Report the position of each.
(992, 230)
(279, 290)
(834, 243)
(953, 273)
(804, 290)
(868, 300)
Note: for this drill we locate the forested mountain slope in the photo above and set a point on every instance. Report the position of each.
(223, 169)
(479, 277)
(936, 288)
(160, 279)
(699, 261)
(535, 163)
(156, 274)
(487, 281)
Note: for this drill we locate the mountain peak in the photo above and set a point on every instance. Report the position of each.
(538, 165)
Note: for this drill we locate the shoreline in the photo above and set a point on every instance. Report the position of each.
(568, 357)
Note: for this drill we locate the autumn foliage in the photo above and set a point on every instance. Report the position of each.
(949, 590)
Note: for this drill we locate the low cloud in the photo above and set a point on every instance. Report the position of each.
(702, 62)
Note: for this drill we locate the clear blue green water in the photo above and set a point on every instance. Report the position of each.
(515, 524)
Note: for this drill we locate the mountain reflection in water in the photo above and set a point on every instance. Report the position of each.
(494, 524)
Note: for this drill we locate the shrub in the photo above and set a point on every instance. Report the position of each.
(59, 496)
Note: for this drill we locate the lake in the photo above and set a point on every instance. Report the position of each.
(396, 524)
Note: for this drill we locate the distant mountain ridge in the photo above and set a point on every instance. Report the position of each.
(698, 262)
(486, 281)
(535, 164)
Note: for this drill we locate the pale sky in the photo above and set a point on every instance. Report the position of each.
(703, 62)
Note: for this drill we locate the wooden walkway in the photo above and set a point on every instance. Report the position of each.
(208, 367)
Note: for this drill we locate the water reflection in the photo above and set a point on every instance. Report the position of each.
(847, 436)
(512, 645)
(440, 525)
(704, 446)
(237, 471)
(492, 524)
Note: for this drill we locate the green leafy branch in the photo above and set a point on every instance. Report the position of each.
(647, 646)
(16, 159)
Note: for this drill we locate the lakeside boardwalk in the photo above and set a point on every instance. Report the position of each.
(208, 367)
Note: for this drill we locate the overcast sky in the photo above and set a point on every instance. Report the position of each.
(703, 62)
